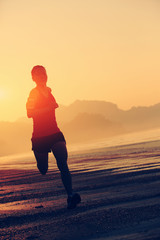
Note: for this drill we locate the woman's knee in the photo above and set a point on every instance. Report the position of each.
(63, 167)
(43, 169)
(42, 162)
(60, 151)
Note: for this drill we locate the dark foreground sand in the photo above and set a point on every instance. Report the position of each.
(120, 189)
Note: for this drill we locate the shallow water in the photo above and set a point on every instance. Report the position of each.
(99, 155)
(125, 139)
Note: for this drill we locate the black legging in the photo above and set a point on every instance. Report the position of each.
(60, 152)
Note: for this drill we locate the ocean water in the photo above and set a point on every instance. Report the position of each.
(88, 153)
(120, 140)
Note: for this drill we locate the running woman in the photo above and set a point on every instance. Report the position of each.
(46, 136)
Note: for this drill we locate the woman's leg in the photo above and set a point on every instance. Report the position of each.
(60, 152)
(42, 161)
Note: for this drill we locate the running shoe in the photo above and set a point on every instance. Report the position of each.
(73, 201)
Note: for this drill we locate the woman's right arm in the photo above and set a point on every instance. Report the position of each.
(30, 105)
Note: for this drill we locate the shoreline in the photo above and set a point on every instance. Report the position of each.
(120, 198)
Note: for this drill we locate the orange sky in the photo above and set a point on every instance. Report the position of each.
(92, 49)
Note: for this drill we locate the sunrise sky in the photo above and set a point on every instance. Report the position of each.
(92, 50)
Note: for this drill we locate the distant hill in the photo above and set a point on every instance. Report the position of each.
(82, 121)
(68, 113)
(141, 118)
(86, 127)
(136, 118)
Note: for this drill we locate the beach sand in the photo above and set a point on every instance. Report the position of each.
(120, 190)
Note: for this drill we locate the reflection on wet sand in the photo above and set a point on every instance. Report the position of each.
(119, 188)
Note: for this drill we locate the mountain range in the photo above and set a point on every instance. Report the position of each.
(82, 121)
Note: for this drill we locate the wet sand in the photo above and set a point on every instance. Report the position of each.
(120, 190)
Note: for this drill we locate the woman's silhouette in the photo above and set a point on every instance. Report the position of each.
(46, 136)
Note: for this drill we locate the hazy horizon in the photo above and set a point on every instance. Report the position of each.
(78, 100)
